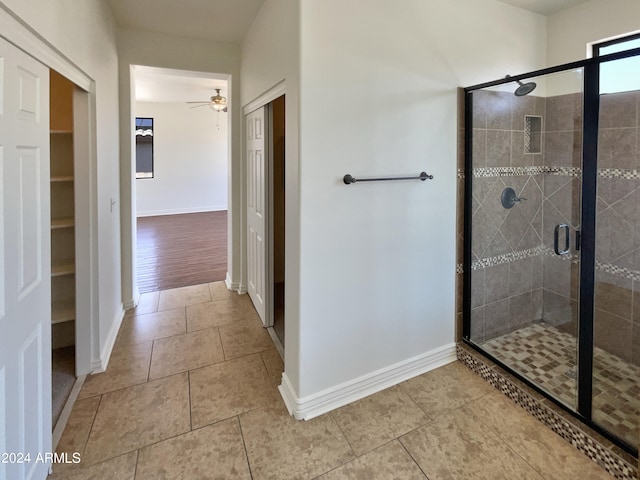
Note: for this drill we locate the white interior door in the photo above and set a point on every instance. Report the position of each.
(256, 208)
(25, 266)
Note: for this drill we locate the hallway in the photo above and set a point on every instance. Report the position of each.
(190, 393)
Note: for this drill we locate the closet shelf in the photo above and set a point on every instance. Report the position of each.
(65, 222)
(63, 311)
(60, 268)
(62, 178)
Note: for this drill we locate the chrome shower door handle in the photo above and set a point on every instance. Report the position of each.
(556, 239)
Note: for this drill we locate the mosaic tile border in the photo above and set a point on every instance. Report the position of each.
(581, 439)
(573, 258)
(619, 271)
(506, 258)
(611, 173)
(525, 171)
(500, 259)
(619, 173)
(543, 250)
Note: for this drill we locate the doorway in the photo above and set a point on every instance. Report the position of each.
(265, 157)
(551, 272)
(277, 187)
(181, 178)
(70, 233)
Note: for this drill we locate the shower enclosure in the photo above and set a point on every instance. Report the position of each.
(552, 235)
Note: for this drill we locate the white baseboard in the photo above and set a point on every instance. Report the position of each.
(101, 364)
(235, 286)
(178, 211)
(134, 302)
(331, 398)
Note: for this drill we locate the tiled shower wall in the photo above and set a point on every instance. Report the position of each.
(516, 277)
(562, 157)
(617, 314)
(507, 275)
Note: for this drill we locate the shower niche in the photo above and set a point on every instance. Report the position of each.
(551, 245)
(533, 134)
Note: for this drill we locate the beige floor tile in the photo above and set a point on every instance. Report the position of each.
(183, 296)
(446, 388)
(275, 365)
(379, 418)
(137, 416)
(219, 312)
(280, 447)
(458, 446)
(127, 366)
(148, 327)
(219, 290)
(226, 389)
(383, 463)
(215, 452)
(188, 351)
(244, 338)
(148, 303)
(549, 454)
(76, 432)
(120, 468)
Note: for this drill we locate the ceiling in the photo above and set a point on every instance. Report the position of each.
(229, 20)
(215, 20)
(220, 21)
(544, 7)
(176, 86)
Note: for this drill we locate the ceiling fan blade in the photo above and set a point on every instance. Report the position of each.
(198, 106)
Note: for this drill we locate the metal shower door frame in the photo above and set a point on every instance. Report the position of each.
(586, 298)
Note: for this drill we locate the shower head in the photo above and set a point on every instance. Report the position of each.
(523, 88)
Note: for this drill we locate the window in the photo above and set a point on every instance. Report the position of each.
(144, 147)
(619, 75)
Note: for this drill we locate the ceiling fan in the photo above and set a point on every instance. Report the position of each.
(217, 102)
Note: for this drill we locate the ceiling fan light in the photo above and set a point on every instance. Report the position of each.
(218, 102)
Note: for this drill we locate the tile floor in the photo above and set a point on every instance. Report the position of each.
(190, 393)
(547, 356)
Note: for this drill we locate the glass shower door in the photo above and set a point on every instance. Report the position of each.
(616, 329)
(525, 214)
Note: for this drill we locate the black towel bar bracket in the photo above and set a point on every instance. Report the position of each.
(349, 179)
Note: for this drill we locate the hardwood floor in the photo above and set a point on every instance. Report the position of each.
(180, 250)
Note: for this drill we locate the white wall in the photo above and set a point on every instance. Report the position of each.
(189, 160)
(270, 54)
(378, 97)
(156, 50)
(84, 31)
(570, 30)
(372, 90)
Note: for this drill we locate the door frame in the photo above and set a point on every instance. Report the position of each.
(128, 187)
(263, 100)
(29, 41)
